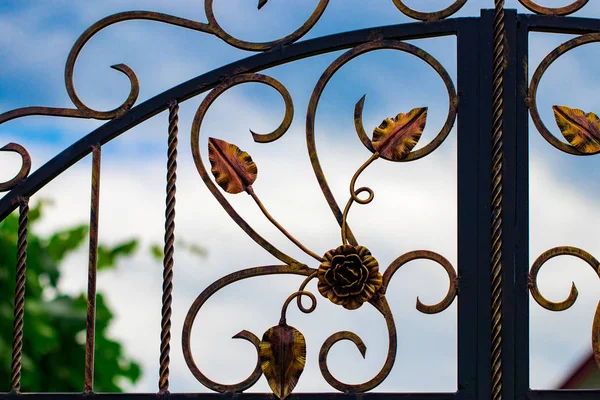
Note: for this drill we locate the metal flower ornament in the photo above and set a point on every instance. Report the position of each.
(347, 274)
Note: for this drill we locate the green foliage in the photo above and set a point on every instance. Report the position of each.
(54, 334)
(156, 250)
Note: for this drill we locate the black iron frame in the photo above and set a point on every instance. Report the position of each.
(474, 81)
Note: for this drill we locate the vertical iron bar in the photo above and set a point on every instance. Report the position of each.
(93, 262)
(471, 208)
(165, 337)
(521, 298)
(497, 193)
(19, 311)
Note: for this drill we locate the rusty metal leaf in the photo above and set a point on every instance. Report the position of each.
(282, 355)
(396, 137)
(581, 130)
(232, 168)
(596, 335)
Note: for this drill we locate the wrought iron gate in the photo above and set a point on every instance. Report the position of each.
(492, 102)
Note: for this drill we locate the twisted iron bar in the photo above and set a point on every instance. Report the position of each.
(17, 347)
(497, 183)
(165, 335)
(90, 327)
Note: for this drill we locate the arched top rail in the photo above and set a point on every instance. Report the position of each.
(209, 80)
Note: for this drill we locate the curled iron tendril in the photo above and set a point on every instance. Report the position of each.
(535, 81)
(261, 138)
(25, 166)
(542, 259)
(414, 155)
(250, 337)
(429, 16)
(573, 294)
(565, 10)
(212, 27)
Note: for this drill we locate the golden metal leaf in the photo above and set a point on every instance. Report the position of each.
(282, 353)
(395, 138)
(233, 168)
(581, 130)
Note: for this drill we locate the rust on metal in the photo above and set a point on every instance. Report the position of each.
(218, 31)
(283, 356)
(499, 63)
(263, 138)
(560, 11)
(596, 335)
(425, 255)
(570, 300)
(169, 249)
(349, 276)
(25, 166)
(414, 155)
(429, 16)
(266, 213)
(542, 259)
(19, 309)
(90, 329)
(396, 137)
(297, 269)
(282, 352)
(582, 130)
(381, 304)
(532, 95)
(232, 168)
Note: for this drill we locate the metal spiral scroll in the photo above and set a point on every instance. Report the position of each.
(535, 81)
(81, 110)
(235, 171)
(318, 91)
(570, 300)
(429, 16)
(23, 171)
(565, 10)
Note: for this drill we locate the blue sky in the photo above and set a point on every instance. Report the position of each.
(34, 43)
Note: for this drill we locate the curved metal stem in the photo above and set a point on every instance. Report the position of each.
(281, 228)
(298, 295)
(354, 195)
(381, 304)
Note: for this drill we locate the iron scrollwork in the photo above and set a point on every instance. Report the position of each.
(570, 300)
(348, 275)
(582, 133)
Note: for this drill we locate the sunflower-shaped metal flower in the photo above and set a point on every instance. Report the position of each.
(349, 276)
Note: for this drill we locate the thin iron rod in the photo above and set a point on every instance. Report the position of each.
(354, 195)
(17, 348)
(93, 263)
(497, 193)
(169, 249)
(250, 191)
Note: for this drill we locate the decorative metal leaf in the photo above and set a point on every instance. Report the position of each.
(596, 335)
(580, 129)
(262, 3)
(283, 355)
(233, 168)
(396, 137)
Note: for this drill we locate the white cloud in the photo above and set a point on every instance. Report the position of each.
(414, 207)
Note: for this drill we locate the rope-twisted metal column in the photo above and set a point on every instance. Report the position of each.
(90, 327)
(17, 347)
(497, 182)
(165, 337)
